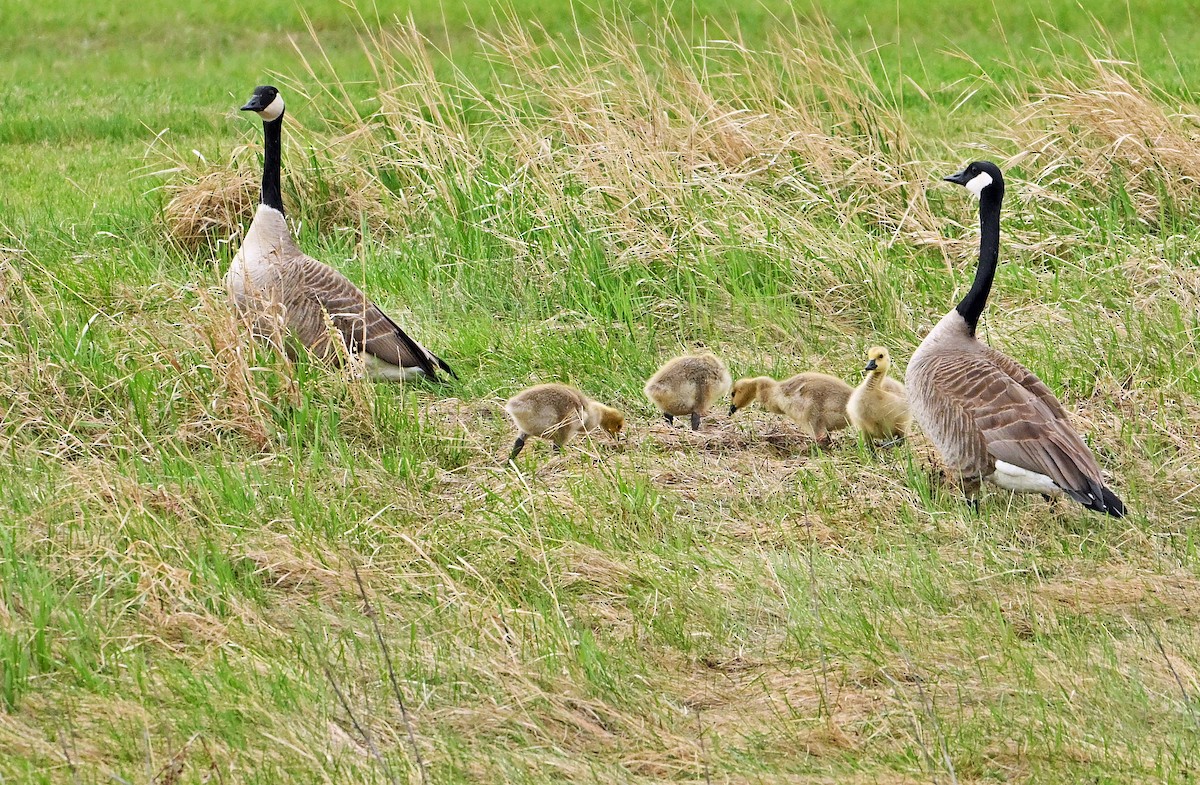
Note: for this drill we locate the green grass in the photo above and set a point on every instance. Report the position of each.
(182, 512)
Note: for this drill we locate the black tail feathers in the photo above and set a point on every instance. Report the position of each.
(443, 365)
(1109, 503)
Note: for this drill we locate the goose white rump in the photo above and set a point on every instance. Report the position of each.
(1014, 478)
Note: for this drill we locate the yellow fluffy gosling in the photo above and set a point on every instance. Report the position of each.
(558, 412)
(689, 385)
(878, 407)
(814, 401)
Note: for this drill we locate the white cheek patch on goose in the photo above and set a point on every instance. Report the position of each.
(275, 108)
(976, 184)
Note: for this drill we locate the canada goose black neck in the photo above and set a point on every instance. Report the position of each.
(971, 307)
(990, 198)
(268, 104)
(272, 196)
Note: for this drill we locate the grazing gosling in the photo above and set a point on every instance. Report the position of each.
(877, 407)
(558, 412)
(689, 385)
(814, 401)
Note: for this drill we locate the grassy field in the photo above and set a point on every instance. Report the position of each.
(569, 193)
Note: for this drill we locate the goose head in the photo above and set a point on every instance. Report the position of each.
(877, 359)
(266, 102)
(980, 177)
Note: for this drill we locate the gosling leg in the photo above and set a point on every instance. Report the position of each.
(670, 418)
(517, 447)
(695, 421)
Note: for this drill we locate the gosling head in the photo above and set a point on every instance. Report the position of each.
(877, 359)
(266, 102)
(980, 177)
(611, 421)
(744, 391)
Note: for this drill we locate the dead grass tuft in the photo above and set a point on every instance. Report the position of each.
(590, 567)
(209, 208)
(281, 566)
(228, 390)
(653, 131)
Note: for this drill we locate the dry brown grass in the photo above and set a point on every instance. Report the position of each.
(1103, 130)
(227, 391)
(651, 131)
(209, 208)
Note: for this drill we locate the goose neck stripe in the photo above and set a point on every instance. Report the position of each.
(272, 193)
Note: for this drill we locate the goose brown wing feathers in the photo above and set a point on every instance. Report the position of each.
(362, 324)
(1026, 378)
(1003, 409)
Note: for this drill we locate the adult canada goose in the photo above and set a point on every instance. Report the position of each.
(286, 292)
(689, 385)
(814, 401)
(877, 407)
(990, 417)
(558, 412)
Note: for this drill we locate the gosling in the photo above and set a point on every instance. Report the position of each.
(878, 406)
(558, 412)
(814, 401)
(689, 385)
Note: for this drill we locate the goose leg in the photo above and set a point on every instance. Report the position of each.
(517, 447)
(695, 421)
(971, 490)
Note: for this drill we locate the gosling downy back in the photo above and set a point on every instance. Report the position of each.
(990, 417)
(287, 293)
(814, 401)
(689, 385)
